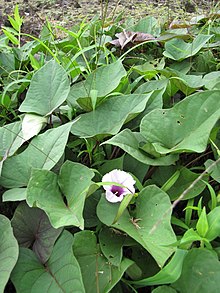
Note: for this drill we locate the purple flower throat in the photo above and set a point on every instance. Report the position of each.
(117, 190)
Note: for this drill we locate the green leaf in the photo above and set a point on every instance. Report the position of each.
(169, 274)
(152, 85)
(60, 274)
(48, 89)
(89, 211)
(43, 189)
(34, 63)
(178, 222)
(93, 95)
(177, 49)
(7, 61)
(214, 224)
(104, 80)
(115, 111)
(129, 141)
(200, 273)
(214, 171)
(189, 237)
(151, 228)
(98, 274)
(8, 251)
(111, 245)
(11, 139)
(164, 289)
(144, 265)
(5, 101)
(212, 80)
(14, 194)
(44, 152)
(187, 83)
(173, 134)
(110, 165)
(202, 225)
(148, 24)
(135, 167)
(10, 36)
(74, 181)
(123, 206)
(171, 181)
(32, 228)
(17, 17)
(155, 102)
(185, 179)
(214, 200)
(14, 24)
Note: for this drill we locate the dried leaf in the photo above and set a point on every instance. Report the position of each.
(131, 38)
(143, 37)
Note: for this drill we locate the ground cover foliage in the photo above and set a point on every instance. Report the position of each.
(133, 96)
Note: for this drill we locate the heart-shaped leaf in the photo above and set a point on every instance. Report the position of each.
(74, 181)
(48, 89)
(103, 80)
(200, 273)
(8, 251)
(177, 49)
(32, 228)
(116, 109)
(44, 152)
(151, 228)
(60, 274)
(180, 130)
(96, 269)
(111, 245)
(130, 141)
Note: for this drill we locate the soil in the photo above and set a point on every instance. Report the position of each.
(70, 12)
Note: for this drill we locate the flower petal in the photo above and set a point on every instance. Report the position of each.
(111, 197)
(123, 178)
(107, 178)
(129, 183)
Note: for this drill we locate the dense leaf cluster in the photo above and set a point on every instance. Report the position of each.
(73, 110)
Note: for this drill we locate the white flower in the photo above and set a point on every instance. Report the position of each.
(116, 193)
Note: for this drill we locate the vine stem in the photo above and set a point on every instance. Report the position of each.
(175, 203)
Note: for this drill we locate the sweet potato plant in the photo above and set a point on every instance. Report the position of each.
(109, 157)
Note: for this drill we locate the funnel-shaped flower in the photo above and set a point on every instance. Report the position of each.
(116, 193)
